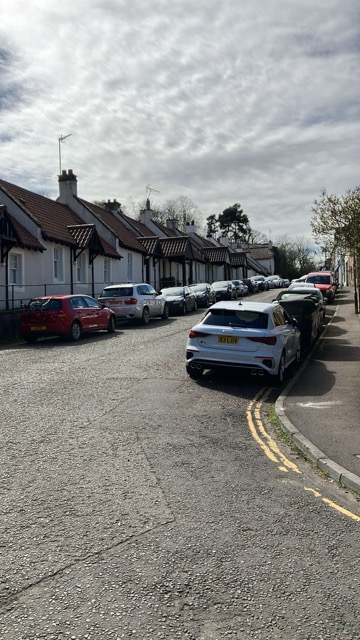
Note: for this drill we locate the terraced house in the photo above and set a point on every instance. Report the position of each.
(72, 245)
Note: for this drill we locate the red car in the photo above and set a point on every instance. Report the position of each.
(65, 315)
(324, 281)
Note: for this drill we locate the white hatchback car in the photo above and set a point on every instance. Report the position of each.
(255, 336)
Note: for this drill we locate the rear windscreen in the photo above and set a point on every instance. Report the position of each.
(122, 292)
(46, 304)
(318, 279)
(237, 318)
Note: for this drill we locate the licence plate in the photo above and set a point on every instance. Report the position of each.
(114, 302)
(38, 327)
(228, 339)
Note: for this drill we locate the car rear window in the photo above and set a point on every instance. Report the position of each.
(237, 318)
(119, 292)
(46, 304)
(319, 279)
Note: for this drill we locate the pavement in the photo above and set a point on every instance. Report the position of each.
(320, 407)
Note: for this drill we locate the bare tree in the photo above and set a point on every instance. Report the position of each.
(256, 237)
(295, 256)
(184, 210)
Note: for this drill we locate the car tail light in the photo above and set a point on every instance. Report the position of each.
(197, 334)
(265, 340)
(131, 301)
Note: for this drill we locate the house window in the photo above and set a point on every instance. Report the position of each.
(130, 267)
(81, 268)
(58, 264)
(107, 270)
(16, 269)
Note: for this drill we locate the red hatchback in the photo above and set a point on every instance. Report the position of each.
(65, 315)
(324, 281)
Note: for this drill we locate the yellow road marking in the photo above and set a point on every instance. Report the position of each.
(332, 504)
(272, 451)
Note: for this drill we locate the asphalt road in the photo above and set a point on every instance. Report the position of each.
(138, 503)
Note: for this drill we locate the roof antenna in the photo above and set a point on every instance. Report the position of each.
(61, 139)
(148, 192)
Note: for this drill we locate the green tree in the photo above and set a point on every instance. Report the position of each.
(212, 225)
(234, 223)
(336, 225)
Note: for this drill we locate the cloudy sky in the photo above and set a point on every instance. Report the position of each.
(221, 101)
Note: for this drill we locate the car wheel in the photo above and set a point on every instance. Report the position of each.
(195, 370)
(195, 305)
(30, 338)
(184, 309)
(145, 319)
(112, 325)
(165, 313)
(75, 331)
(298, 354)
(281, 370)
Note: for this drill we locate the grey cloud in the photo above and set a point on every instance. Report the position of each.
(221, 102)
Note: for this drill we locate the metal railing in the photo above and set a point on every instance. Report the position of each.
(13, 297)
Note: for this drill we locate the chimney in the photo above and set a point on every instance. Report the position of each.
(190, 227)
(146, 214)
(113, 206)
(224, 240)
(67, 187)
(171, 223)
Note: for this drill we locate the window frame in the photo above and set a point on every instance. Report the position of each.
(60, 262)
(19, 269)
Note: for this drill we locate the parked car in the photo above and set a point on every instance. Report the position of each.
(205, 294)
(180, 299)
(307, 289)
(135, 302)
(239, 287)
(262, 282)
(246, 289)
(274, 282)
(302, 279)
(308, 309)
(258, 337)
(252, 285)
(224, 290)
(300, 284)
(325, 282)
(65, 315)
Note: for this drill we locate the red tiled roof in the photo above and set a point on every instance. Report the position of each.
(86, 235)
(216, 255)
(238, 259)
(142, 229)
(127, 238)
(82, 233)
(176, 247)
(52, 217)
(151, 245)
(260, 253)
(24, 238)
(197, 252)
(168, 232)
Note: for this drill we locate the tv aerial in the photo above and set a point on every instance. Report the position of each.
(149, 189)
(61, 139)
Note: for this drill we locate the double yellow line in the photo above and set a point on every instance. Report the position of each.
(272, 451)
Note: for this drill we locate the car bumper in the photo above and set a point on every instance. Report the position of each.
(265, 363)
